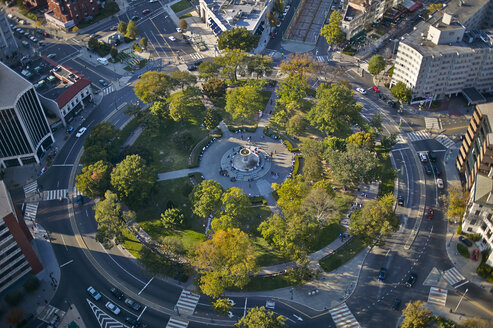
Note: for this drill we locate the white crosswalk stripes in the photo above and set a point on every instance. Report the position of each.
(400, 139)
(343, 317)
(322, 59)
(108, 90)
(54, 194)
(196, 55)
(418, 135)
(432, 123)
(453, 276)
(444, 140)
(187, 301)
(104, 319)
(30, 211)
(175, 323)
(31, 187)
(437, 296)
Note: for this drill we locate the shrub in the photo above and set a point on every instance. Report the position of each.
(289, 145)
(32, 16)
(31, 284)
(463, 250)
(194, 156)
(196, 178)
(137, 48)
(484, 270)
(475, 236)
(13, 298)
(296, 166)
(459, 229)
(256, 200)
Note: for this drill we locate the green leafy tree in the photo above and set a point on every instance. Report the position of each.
(160, 109)
(114, 52)
(477, 323)
(230, 62)
(259, 317)
(122, 27)
(376, 64)
(362, 139)
(245, 101)
(143, 42)
(260, 65)
(296, 125)
(208, 69)
(235, 202)
(153, 86)
(171, 218)
(376, 122)
(224, 222)
(433, 7)
(181, 106)
(416, 316)
(389, 142)
(401, 92)
(183, 78)
(111, 220)
(214, 87)
(206, 198)
(101, 144)
(226, 260)
(222, 305)
(182, 23)
(291, 194)
(212, 118)
(132, 30)
(238, 38)
(94, 179)
(335, 110)
(173, 247)
(374, 222)
(455, 203)
(332, 32)
(312, 154)
(93, 42)
(132, 179)
(334, 143)
(292, 89)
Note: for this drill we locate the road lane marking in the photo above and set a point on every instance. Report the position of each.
(152, 278)
(67, 263)
(141, 313)
(161, 35)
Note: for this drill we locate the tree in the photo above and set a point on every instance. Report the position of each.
(114, 52)
(212, 118)
(75, 29)
(401, 92)
(94, 179)
(101, 144)
(172, 246)
(122, 27)
(334, 143)
(245, 101)
(477, 323)
(292, 89)
(376, 64)
(332, 32)
(415, 316)
(183, 78)
(143, 42)
(434, 7)
(258, 317)
(312, 154)
(222, 305)
(235, 202)
(335, 110)
(171, 218)
(352, 166)
(224, 222)
(260, 65)
(132, 30)
(298, 65)
(291, 194)
(455, 203)
(15, 316)
(362, 139)
(208, 69)
(110, 219)
(296, 125)
(230, 62)
(206, 198)
(132, 179)
(225, 260)
(182, 23)
(238, 38)
(214, 87)
(153, 86)
(181, 105)
(93, 42)
(320, 205)
(374, 222)
(160, 109)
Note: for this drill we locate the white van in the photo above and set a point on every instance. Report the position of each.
(103, 61)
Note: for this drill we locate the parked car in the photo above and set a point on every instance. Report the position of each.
(178, 30)
(475, 254)
(440, 183)
(135, 18)
(198, 62)
(382, 274)
(80, 200)
(400, 200)
(396, 304)
(192, 68)
(103, 83)
(465, 241)
(172, 38)
(113, 308)
(81, 132)
(411, 279)
(145, 11)
(132, 304)
(375, 88)
(94, 293)
(116, 292)
(430, 213)
(114, 28)
(361, 90)
(51, 55)
(132, 322)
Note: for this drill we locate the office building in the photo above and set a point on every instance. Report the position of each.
(24, 131)
(17, 257)
(7, 41)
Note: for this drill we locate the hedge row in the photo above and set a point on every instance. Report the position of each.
(194, 156)
(463, 250)
(256, 200)
(249, 129)
(484, 270)
(296, 166)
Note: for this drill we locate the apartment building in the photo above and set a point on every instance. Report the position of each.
(446, 55)
(7, 41)
(17, 257)
(223, 15)
(24, 131)
(68, 13)
(360, 14)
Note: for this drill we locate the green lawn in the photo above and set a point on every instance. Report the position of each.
(267, 283)
(386, 172)
(131, 243)
(343, 255)
(255, 216)
(166, 155)
(180, 6)
(266, 254)
(325, 236)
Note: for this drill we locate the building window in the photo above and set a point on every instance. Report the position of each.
(469, 229)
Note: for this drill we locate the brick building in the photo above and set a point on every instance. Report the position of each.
(68, 13)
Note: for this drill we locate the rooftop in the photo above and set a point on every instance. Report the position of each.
(464, 9)
(5, 201)
(237, 13)
(11, 84)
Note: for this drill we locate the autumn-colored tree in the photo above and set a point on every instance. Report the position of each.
(416, 316)
(15, 316)
(455, 202)
(132, 30)
(259, 317)
(153, 86)
(332, 32)
(298, 65)
(182, 23)
(94, 179)
(222, 305)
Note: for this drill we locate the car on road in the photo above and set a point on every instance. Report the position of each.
(396, 304)
(133, 304)
(113, 308)
(152, 1)
(192, 68)
(94, 293)
(103, 83)
(270, 305)
(135, 18)
(81, 131)
(172, 38)
(411, 279)
(382, 274)
(114, 28)
(361, 90)
(80, 200)
(430, 213)
(428, 170)
(432, 156)
(440, 183)
(400, 200)
(132, 322)
(391, 103)
(437, 170)
(423, 158)
(145, 11)
(465, 241)
(178, 30)
(375, 88)
(116, 292)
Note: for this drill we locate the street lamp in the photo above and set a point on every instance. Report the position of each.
(460, 300)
